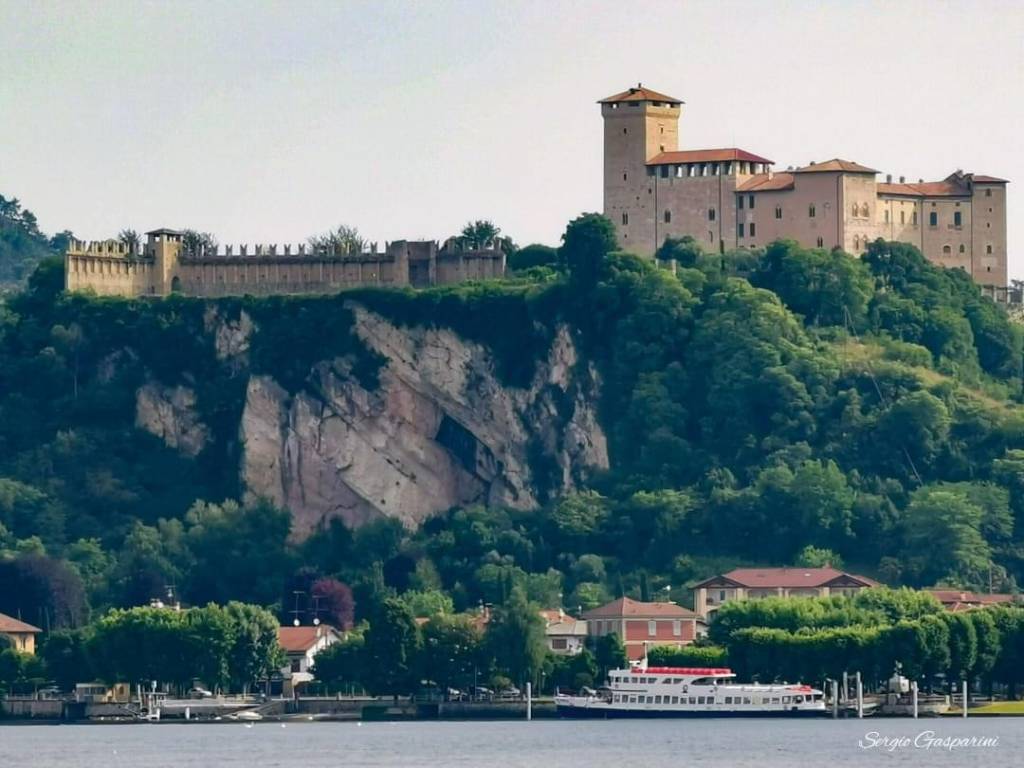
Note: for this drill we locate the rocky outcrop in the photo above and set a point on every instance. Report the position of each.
(170, 414)
(439, 430)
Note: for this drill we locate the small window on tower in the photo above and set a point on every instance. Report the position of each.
(957, 219)
(739, 228)
(625, 130)
(664, 171)
(855, 209)
(811, 212)
(933, 219)
(750, 200)
(752, 229)
(962, 249)
(778, 211)
(988, 193)
(668, 217)
(988, 249)
(623, 177)
(887, 216)
(739, 203)
(903, 217)
(711, 214)
(821, 243)
(946, 249)
(625, 219)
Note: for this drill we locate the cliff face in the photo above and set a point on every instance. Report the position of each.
(439, 430)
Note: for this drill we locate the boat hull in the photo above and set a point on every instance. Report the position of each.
(609, 713)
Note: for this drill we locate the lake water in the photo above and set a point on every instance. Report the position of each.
(540, 744)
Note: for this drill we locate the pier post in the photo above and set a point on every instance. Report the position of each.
(834, 687)
(188, 712)
(529, 701)
(965, 698)
(860, 697)
(913, 690)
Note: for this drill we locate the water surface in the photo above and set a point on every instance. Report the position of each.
(540, 744)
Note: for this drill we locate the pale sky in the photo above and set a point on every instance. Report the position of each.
(269, 122)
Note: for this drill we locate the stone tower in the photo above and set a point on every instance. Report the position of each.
(638, 125)
(164, 247)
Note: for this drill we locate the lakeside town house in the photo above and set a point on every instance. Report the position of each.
(565, 634)
(640, 624)
(21, 635)
(728, 198)
(958, 601)
(753, 583)
(301, 645)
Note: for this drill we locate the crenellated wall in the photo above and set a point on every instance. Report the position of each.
(166, 266)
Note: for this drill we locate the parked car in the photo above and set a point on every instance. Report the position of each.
(510, 693)
(482, 694)
(200, 693)
(454, 694)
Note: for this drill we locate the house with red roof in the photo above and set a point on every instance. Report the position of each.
(753, 583)
(301, 645)
(640, 624)
(22, 635)
(958, 601)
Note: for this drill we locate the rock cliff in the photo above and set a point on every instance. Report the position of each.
(439, 430)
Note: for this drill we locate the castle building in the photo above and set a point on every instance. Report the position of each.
(165, 265)
(731, 198)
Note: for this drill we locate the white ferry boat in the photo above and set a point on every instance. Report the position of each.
(644, 691)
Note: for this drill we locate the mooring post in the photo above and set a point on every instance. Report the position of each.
(965, 698)
(913, 688)
(529, 701)
(860, 696)
(834, 686)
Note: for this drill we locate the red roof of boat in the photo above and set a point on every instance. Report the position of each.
(698, 671)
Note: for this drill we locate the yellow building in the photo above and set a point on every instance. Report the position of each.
(22, 635)
(731, 198)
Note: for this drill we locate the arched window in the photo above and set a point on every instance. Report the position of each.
(811, 211)
(668, 217)
(856, 241)
(856, 209)
(946, 249)
(821, 243)
(864, 210)
(778, 211)
(962, 249)
(175, 284)
(625, 219)
(711, 214)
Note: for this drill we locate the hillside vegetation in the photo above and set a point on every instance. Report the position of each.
(776, 407)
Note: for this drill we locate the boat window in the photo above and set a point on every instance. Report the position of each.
(746, 699)
(615, 698)
(798, 699)
(692, 700)
(728, 699)
(650, 699)
(657, 699)
(785, 699)
(702, 700)
(675, 699)
(632, 699)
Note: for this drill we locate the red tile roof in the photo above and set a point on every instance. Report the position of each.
(925, 189)
(767, 182)
(639, 94)
(835, 165)
(554, 615)
(771, 578)
(301, 639)
(12, 625)
(707, 156)
(956, 600)
(981, 179)
(625, 607)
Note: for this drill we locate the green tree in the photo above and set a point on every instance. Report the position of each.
(609, 653)
(515, 637)
(341, 665)
(392, 645)
(943, 538)
(254, 653)
(452, 651)
(341, 239)
(585, 245)
(479, 234)
(534, 255)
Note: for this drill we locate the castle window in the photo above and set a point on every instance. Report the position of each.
(728, 169)
(739, 228)
(752, 229)
(988, 193)
(913, 218)
(623, 177)
(750, 200)
(811, 212)
(962, 249)
(988, 249)
(668, 217)
(664, 171)
(933, 219)
(778, 211)
(856, 242)
(856, 209)
(739, 202)
(903, 217)
(887, 216)
(625, 219)
(864, 210)
(625, 131)
(711, 214)
(957, 219)
(821, 242)
(679, 171)
(946, 249)
(711, 236)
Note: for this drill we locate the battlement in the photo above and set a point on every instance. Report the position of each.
(105, 248)
(168, 263)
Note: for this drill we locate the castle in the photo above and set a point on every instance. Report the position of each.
(165, 265)
(730, 198)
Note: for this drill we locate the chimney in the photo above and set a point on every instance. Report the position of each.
(903, 179)
(888, 178)
(920, 181)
